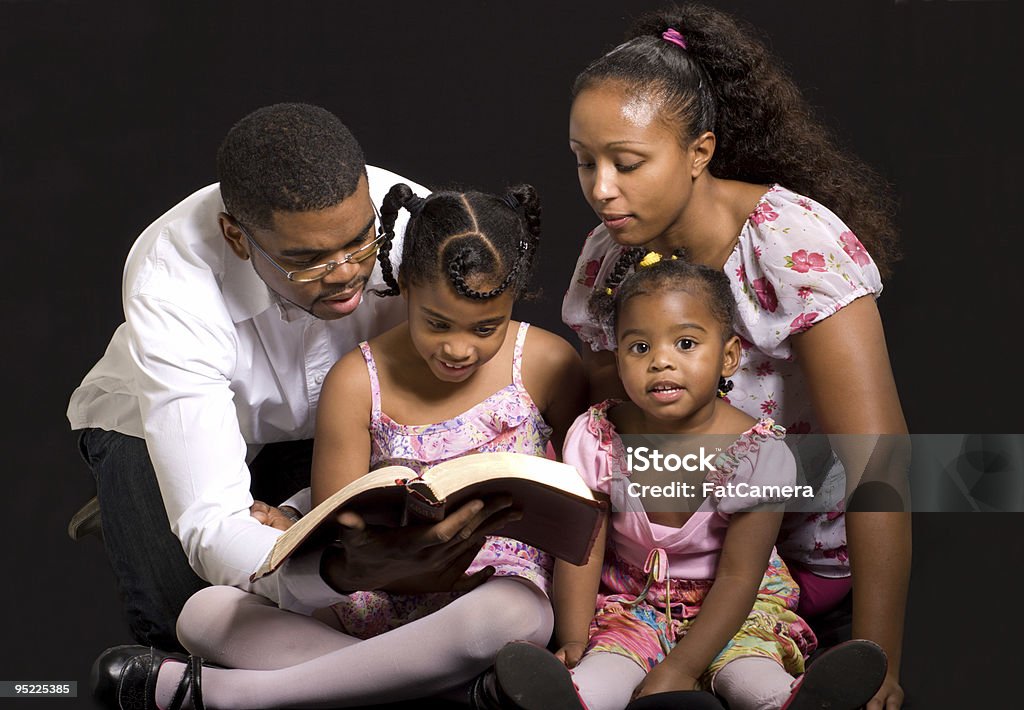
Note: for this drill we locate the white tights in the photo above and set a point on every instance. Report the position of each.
(605, 681)
(754, 683)
(286, 659)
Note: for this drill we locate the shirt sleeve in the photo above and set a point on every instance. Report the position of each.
(298, 585)
(183, 366)
(582, 449)
(302, 501)
(798, 263)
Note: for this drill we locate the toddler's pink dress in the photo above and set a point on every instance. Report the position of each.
(655, 577)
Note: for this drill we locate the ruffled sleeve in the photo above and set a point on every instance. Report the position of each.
(757, 469)
(596, 261)
(796, 264)
(587, 446)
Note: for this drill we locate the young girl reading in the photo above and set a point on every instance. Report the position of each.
(685, 601)
(460, 376)
(690, 136)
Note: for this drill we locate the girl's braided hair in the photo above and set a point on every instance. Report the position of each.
(471, 238)
(667, 275)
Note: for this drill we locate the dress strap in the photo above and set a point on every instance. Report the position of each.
(517, 356)
(371, 367)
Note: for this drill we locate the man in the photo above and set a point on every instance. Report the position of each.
(237, 302)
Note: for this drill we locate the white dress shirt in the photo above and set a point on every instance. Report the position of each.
(208, 366)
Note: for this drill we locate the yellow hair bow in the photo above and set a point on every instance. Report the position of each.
(652, 258)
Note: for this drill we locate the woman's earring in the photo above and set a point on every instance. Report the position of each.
(724, 386)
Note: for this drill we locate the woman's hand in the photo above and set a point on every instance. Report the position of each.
(663, 679)
(888, 697)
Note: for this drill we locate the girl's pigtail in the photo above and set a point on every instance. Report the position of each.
(529, 203)
(398, 196)
(601, 304)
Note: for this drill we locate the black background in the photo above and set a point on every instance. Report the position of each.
(112, 113)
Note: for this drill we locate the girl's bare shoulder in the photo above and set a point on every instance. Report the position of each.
(732, 420)
(547, 349)
(551, 363)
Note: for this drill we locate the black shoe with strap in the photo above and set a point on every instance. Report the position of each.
(525, 677)
(845, 677)
(124, 677)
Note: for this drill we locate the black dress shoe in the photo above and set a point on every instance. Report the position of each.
(845, 677)
(525, 677)
(124, 678)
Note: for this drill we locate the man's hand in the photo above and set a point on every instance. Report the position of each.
(420, 558)
(269, 515)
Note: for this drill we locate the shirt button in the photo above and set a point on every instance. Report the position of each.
(319, 379)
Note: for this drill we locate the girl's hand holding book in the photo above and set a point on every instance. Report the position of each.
(418, 558)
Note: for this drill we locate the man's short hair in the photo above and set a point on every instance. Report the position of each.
(287, 157)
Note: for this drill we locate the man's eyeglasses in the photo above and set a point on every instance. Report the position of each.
(315, 273)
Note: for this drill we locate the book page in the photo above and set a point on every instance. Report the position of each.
(450, 476)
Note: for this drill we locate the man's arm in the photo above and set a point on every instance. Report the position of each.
(183, 368)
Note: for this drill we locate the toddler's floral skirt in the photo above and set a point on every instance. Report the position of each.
(643, 632)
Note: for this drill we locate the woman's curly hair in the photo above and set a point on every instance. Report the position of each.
(727, 82)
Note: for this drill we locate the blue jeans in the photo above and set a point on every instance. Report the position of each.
(153, 574)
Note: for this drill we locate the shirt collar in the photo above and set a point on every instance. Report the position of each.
(245, 293)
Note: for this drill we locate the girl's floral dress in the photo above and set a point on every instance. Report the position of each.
(508, 420)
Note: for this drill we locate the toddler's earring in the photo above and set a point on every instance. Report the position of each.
(724, 386)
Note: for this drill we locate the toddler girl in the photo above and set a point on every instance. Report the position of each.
(686, 600)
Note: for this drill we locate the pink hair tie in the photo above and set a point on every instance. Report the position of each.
(673, 35)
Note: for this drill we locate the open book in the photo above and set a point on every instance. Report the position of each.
(560, 514)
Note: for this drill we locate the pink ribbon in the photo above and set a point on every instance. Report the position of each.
(673, 35)
(656, 568)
